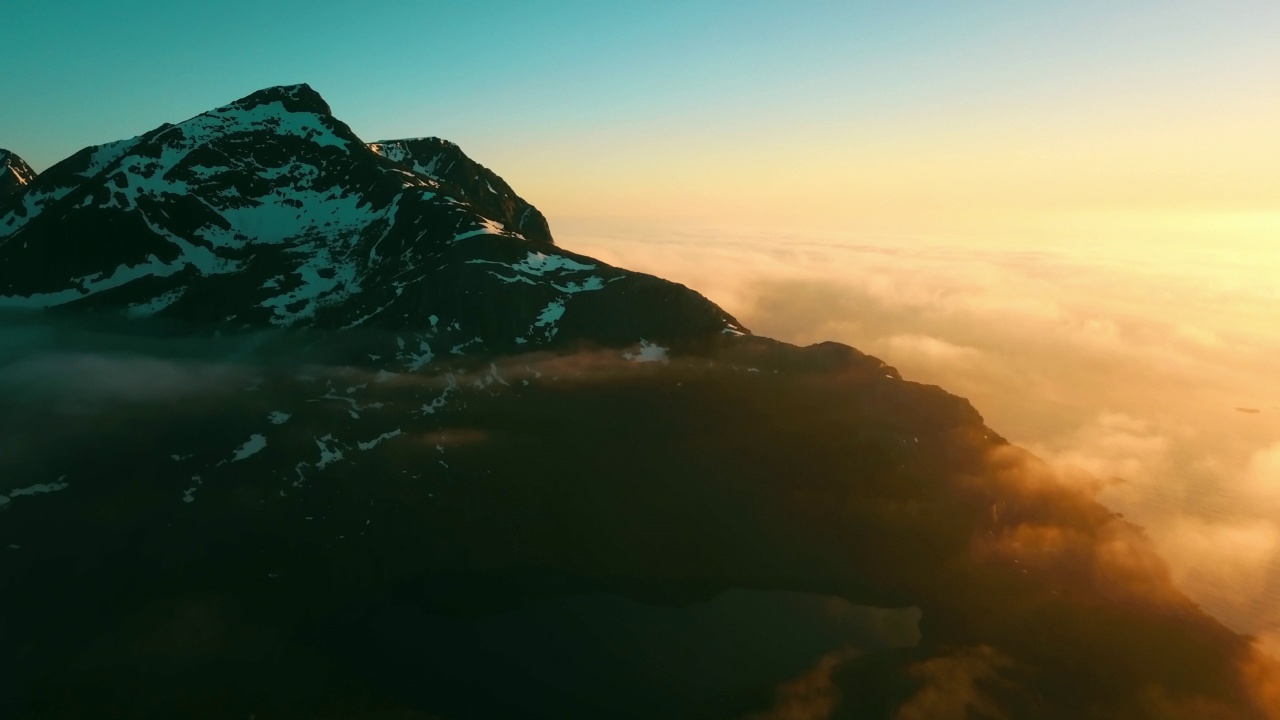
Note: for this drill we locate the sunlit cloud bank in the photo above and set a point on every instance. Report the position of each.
(1147, 363)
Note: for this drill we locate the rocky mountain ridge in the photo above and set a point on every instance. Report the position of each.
(271, 212)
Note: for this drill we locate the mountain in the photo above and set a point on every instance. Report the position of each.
(270, 211)
(296, 426)
(467, 180)
(15, 174)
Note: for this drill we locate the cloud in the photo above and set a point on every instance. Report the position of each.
(1109, 365)
(952, 685)
(1262, 476)
(1113, 445)
(927, 349)
(1261, 671)
(453, 437)
(812, 696)
(83, 378)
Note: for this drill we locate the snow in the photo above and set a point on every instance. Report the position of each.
(648, 352)
(380, 439)
(546, 269)
(327, 455)
(537, 265)
(361, 320)
(415, 360)
(591, 283)
(156, 304)
(487, 227)
(494, 375)
(442, 400)
(252, 446)
(189, 495)
(91, 284)
(313, 289)
(107, 153)
(38, 489)
(398, 151)
(296, 209)
(457, 349)
(270, 116)
(548, 318)
(279, 418)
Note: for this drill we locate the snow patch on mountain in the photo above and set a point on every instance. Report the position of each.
(485, 227)
(647, 352)
(378, 440)
(38, 489)
(325, 276)
(539, 268)
(328, 455)
(156, 304)
(91, 284)
(548, 318)
(254, 445)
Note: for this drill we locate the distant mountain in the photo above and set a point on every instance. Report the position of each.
(295, 426)
(15, 174)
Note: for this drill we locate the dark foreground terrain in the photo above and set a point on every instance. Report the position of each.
(570, 535)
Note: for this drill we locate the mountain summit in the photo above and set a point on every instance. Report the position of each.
(271, 212)
(15, 174)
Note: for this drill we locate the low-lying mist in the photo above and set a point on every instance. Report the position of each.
(1152, 366)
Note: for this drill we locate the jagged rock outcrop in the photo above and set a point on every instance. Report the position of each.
(15, 174)
(469, 181)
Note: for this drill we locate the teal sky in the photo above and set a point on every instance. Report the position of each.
(567, 98)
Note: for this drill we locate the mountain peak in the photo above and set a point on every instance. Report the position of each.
(15, 174)
(295, 98)
(269, 211)
(444, 162)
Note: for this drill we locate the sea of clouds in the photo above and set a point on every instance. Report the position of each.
(1149, 367)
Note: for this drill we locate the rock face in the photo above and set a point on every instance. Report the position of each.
(293, 426)
(469, 181)
(271, 212)
(15, 174)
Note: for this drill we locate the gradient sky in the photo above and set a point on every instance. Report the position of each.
(1062, 120)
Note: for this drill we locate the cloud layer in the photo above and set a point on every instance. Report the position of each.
(1129, 364)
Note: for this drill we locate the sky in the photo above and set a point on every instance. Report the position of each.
(1067, 212)
(926, 119)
